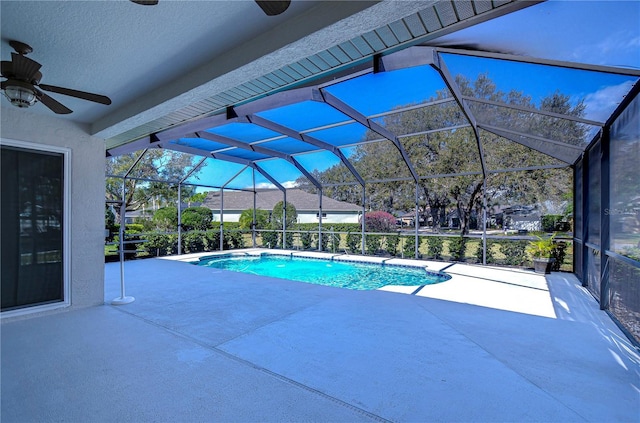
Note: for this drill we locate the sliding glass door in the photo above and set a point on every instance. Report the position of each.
(32, 204)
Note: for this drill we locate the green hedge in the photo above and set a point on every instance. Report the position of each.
(354, 242)
(373, 244)
(391, 244)
(490, 257)
(326, 227)
(457, 248)
(435, 245)
(514, 251)
(553, 222)
(227, 225)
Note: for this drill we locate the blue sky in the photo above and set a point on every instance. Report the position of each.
(591, 32)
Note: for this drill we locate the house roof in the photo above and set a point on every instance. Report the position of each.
(267, 199)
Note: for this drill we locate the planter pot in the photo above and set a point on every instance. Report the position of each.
(543, 265)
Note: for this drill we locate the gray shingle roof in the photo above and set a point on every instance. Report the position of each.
(266, 200)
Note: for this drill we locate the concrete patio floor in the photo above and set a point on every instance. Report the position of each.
(201, 344)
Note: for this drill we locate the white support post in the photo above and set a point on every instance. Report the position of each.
(122, 299)
(253, 221)
(484, 221)
(364, 210)
(320, 220)
(179, 221)
(284, 221)
(417, 221)
(221, 219)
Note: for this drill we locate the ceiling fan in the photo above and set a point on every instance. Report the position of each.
(22, 86)
(270, 7)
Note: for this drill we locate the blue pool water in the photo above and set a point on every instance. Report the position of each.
(351, 275)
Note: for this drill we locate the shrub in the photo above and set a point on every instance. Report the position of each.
(306, 238)
(490, 257)
(392, 242)
(334, 242)
(379, 221)
(550, 221)
(233, 239)
(166, 218)
(514, 252)
(337, 227)
(193, 242)
(246, 219)
(288, 242)
(109, 219)
(269, 239)
(196, 218)
(373, 244)
(408, 248)
(559, 252)
(353, 241)
(276, 215)
(541, 247)
(162, 244)
(325, 241)
(435, 245)
(457, 248)
(631, 252)
(131, 246)
(227, 225)
(147, 224)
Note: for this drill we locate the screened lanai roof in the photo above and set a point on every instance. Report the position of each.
(513, 110)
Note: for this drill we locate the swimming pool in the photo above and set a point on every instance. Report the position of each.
(343, 274)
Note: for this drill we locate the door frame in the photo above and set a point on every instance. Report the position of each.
(66, 227)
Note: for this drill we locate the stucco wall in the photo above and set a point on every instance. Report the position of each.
(302, 217)
(87, 194)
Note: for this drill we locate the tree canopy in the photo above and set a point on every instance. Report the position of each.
(277, 215)
(143, 187)
(437, 154)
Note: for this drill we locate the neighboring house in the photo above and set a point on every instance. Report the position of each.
(136, 215)
(306, 205)
(522, 218)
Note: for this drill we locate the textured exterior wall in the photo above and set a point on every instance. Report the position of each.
(302, 217)
(87, 194)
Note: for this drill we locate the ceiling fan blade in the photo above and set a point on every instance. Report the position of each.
(52, 104)
(273, 7)
(97, 98)
(145, 2)
(24, 68)
(6, 69)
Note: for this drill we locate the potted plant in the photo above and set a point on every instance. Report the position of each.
(541, 250)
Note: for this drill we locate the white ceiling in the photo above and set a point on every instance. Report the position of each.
(155, 60)
(131, 53)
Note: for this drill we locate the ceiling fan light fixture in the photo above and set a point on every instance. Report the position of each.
(20, 96)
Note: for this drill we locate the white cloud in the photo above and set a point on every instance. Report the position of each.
(269, 185)
(617, 49)
(600, 104)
